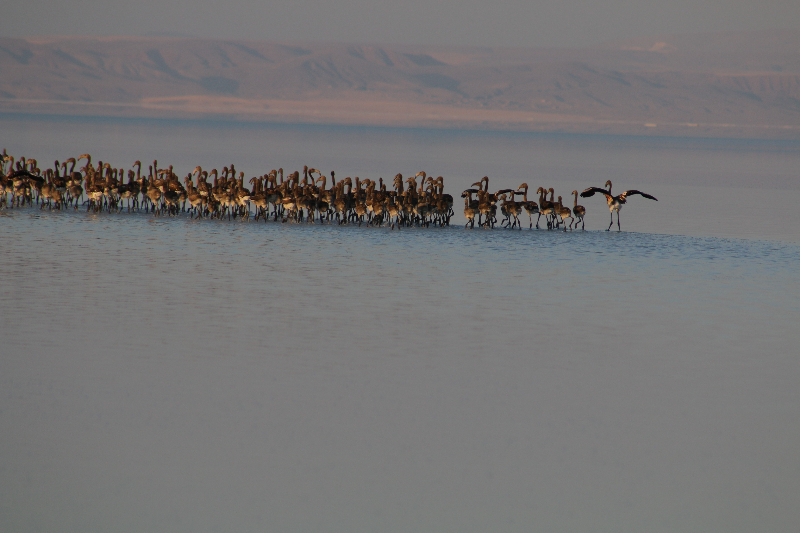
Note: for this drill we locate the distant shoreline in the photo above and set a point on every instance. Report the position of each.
(392, 115)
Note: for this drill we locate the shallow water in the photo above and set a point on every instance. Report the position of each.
(706, 187)
(164, 374)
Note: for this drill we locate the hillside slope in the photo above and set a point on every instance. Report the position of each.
(738, 84)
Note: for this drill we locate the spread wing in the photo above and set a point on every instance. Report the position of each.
(591, 190)
(634, 191)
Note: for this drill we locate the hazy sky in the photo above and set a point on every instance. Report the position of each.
(457, 22)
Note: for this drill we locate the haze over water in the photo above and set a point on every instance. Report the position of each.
(164, 374)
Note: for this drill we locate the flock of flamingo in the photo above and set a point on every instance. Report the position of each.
(273, 196)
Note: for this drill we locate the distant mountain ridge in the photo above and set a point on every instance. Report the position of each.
(736, 84)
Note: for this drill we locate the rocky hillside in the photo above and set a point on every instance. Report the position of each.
(739, 84)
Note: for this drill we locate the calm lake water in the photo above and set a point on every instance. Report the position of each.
(164, 374)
